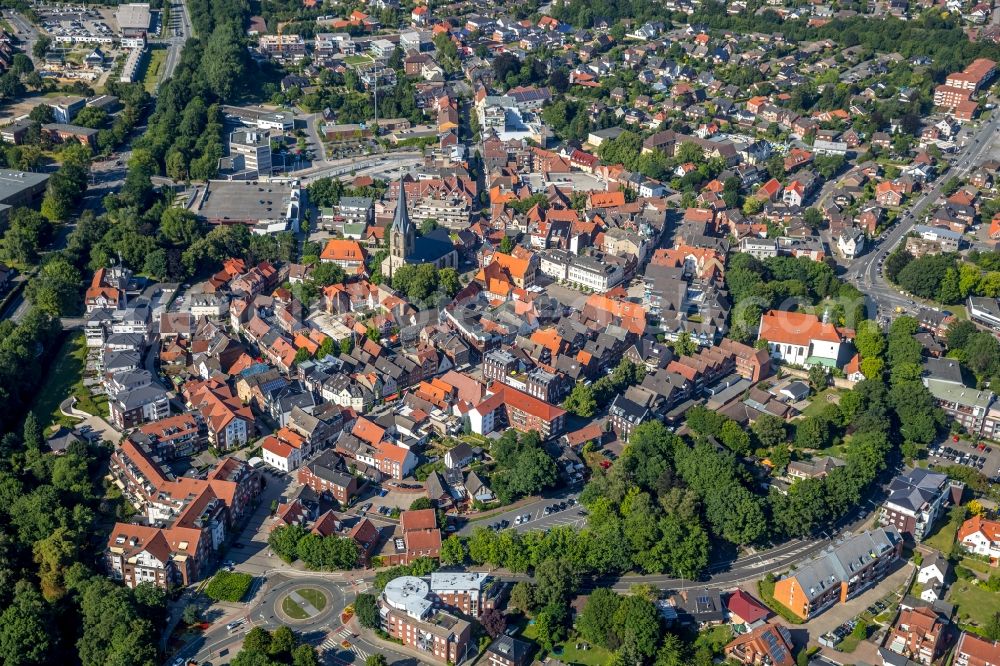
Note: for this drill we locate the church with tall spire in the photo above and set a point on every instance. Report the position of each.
(406, 247)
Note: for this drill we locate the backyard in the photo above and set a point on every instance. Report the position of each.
(943, 537)
(974, 604)
(574, 650)
(821, 400)
(65, 379)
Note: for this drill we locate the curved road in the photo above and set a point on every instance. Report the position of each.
(866, 273)
(323, 630)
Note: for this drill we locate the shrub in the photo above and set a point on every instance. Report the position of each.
(228, 586)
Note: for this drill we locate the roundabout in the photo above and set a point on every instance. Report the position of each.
(303, 603)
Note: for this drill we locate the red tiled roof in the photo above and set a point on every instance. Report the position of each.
(421, 519)
(796, 328)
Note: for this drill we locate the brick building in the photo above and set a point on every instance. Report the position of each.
(409, 615)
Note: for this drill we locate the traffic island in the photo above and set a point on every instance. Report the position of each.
(304, 603)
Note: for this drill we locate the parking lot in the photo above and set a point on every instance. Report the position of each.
(69, 25)
(981, 457)
(538, 518)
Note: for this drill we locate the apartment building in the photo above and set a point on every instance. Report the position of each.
(840, 572)
(184, 520)
(515, 409)
(467, 593)
(973, 77)
(328, 474)
(916, 501)
(172, 437)
(408, 614)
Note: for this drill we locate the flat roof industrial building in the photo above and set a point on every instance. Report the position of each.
(263, 205)
(133, 17)
(21, 188)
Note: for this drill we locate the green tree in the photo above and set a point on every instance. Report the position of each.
(550, 625)
(282, 643)
(366, 608)
(24, 627)
(257, 640)
(596, 621)
(179, 226)
(637, 628)
(26, 233)
(304, 655)
(684, 345)
(769, 430)
(555, 580)
(376, 659)
(869, 340)
(735, 438)
(452, 551)
(581, 400)
(522, 596)
(55, 290)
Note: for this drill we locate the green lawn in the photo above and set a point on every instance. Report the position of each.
(357, 60)
(715, 638)
(568, 653)
(293, 610)
(65, 378)
(974, 604)
(154, 68)
(821, 400)
(943, 536)
(313, 596)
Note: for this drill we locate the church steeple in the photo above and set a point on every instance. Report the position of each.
(402, 235)
(401, 223)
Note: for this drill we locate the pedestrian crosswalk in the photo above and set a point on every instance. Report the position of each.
(334, 643)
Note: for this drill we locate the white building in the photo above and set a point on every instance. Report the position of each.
(802, 339)
(851, 243)
(980, 536)
(280, 456)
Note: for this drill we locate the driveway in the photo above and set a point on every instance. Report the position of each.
(96, 423)
(249, 551)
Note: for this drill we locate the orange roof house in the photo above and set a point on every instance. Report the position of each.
(367, 431)
(343, 252)
(632, 316)
(770, 190)
(606, 199)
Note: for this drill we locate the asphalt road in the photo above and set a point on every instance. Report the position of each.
(866, 273)
(179, 21)
(25, 32)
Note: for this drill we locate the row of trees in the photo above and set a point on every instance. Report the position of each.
(292, 542)
(280, 647)
(184, 138)
(941, 277)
